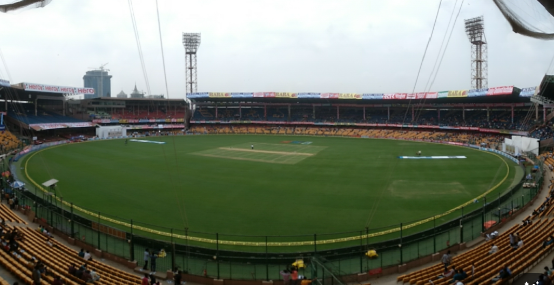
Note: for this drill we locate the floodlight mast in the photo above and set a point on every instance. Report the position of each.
(475, 30)
(191, 42)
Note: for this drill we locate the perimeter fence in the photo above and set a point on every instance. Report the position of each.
(225, 256)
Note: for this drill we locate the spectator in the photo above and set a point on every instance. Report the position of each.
(177, 277)
(505, 272)
(446, 259)
(146, 257)
(153, 258)
(494, 249)
(152, 279)
(86, 276)
(448, 274)
(546, 279)
(461, 275)
(286, 276)
(87, 256)
(492, 235)
(42, 268)
(520, 243)
(36, 275)
(294, 276)
(72, 270)
(94, 276)
(541, 280)
(82, 253)
(512, 239)
(144, 280)
(547, 271)
(80, 271)
(57, 281)
(547, 242)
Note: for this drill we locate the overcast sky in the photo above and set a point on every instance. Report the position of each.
(345, 46)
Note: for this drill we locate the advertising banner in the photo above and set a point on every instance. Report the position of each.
(285, 95)
(400, 96)
(101, 121)
(308, 95)
(388, 96)
(57, 89)
(457, 93)
(350, 96)
(79, 125)
(478, 92)
(198, 95)
(372, 96)
(39, 127)
(146, 127)
(4, 83)
(504, 90)
(431, 95)
(241, 95)
(528, 92)
(220, 95)
(329, 96)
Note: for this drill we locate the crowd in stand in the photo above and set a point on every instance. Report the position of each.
(542, 132)
(454, 118)
(291, 277)
(486, 139)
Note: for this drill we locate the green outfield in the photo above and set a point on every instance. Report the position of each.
(284, 185)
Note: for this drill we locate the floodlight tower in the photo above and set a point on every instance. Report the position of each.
(191, 41)
(475, 30)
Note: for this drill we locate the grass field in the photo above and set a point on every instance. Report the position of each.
(284, 186)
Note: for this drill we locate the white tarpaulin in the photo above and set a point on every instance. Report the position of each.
(105, 132)
(518, 145)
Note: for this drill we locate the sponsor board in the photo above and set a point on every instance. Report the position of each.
(528, 92)
(503, 90)
(146, 141)
(57, 89)
(432, 157)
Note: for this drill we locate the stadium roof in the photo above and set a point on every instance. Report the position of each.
(135, 99)
(547, 87)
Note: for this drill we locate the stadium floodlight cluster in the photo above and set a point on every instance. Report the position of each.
(475, 30)
(191, 42)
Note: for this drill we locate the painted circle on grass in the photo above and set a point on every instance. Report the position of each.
(268, 185)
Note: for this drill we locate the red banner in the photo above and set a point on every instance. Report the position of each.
(400, 96)
(388, 96)
(329, 96)
(504, 90)
(431, 95)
